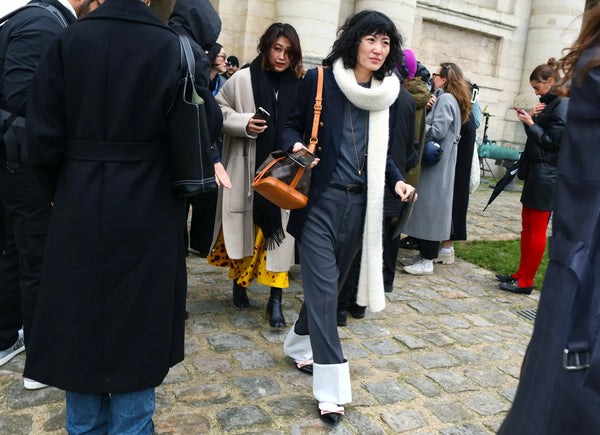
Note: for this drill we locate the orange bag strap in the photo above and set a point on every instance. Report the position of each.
(262, 173)
(315, 128)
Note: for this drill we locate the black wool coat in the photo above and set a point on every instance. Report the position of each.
(110, 311)
(541, 149)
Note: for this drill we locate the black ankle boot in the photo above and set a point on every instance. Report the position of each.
(274, 313)
(240, 298)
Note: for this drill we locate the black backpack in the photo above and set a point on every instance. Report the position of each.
(10, 137)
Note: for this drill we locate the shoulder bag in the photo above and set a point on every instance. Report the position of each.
(281, 179)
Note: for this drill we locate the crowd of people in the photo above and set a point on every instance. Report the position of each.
(92, 272)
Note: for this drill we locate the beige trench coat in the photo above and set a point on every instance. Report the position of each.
(234, 207)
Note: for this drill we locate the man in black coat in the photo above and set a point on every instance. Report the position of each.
(23, 40)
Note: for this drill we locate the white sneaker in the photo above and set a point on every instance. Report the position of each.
(7, 354)
(30, 384)
(422, 267)
(445, 257)
(408, 261)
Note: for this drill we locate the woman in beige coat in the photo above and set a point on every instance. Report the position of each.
(250, 231)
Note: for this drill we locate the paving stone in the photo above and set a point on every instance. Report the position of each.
(162, 401)
(177, 374)
(198, 325)
(464, 338)
(257, 387)
(275, 335)
(389, 391)
(508, 393)
(56, 421)
(477, 320)
(465, 429)
(204, 306)
(429, 308)
(434, 360)
(399, 296)
(511, 370)
(203, 395)
(454, 322)
(403, 421)
(245, 321)
(482, 305)
(317, 427)
(485, 404)
(456, 306)
(294, 406)
(382, 347)
(17, 400)
(362, 423)
(212, 365)
(425, 386)
(494, 425)
(191, 346)
(296, 379)
(360, 397)
(451, 294)
(189, 423)
(369, 329)
(501, 318)
(407, 327)
(353, 351)
(256, 359)
(436, 338)
(489, 335)
(394, 365)
(496, 353)
(519, 349)
(410, 341)
(448, 412)
(452, 382)
(242, 416)
(424, 293)
(465, 356)
(16, 424)
(486, 378)
(429, 323)
(226, 342)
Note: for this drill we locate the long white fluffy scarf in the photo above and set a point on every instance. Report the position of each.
(377, 99)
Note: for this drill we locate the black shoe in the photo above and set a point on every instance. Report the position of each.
(388, 288)
(240, 297)
(505, 278)
(513, 287)
(357, 311)
(342, 315)
(332, 418)
(308, 368)
(274, 313)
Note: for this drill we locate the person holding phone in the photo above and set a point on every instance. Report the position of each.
(544, 126)
(250, 236)
(360, 106)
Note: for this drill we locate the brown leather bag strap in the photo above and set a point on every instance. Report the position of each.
(318, 106)
(262, 173)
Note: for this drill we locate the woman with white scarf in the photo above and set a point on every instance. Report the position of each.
(345, 201)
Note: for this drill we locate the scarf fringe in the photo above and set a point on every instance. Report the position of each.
(272, 241)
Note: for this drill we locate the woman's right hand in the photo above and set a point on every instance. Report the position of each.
(431, 101)
(256, 125)
(536, 109)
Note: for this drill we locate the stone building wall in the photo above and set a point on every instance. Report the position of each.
(497, 43)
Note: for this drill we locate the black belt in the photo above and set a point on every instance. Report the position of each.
(349, 188)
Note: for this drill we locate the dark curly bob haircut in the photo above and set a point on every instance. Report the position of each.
(268, 39)
(363, 23)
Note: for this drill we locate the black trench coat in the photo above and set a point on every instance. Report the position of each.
(110, 313)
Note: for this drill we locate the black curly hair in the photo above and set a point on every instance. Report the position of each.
(367, 22)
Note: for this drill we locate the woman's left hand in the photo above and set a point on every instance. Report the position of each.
(405, 191)
(221, 176)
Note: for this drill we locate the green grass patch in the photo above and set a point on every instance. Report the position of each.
(499, 257)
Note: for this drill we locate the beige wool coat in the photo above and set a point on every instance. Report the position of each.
(234, 207)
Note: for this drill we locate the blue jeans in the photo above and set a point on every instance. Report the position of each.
(99, 414)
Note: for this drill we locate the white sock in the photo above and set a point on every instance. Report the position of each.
(447, 249)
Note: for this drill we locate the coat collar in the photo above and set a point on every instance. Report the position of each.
(128, 10)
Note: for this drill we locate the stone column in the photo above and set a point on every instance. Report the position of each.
(402, 13)
(316, 22)
(553, 25)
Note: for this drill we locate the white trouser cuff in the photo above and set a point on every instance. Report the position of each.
(331, 383)
(297, 346)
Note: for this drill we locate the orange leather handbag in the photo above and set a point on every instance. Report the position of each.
(281, 179)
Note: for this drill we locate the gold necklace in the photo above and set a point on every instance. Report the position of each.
(361, 167)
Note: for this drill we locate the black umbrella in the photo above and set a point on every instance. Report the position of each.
(504, 181)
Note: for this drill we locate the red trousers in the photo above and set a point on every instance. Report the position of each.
(533, 244)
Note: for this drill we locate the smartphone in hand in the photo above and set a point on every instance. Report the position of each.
(262, 114)
(302, 157)
(519, 111)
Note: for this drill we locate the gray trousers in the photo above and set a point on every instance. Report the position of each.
(331, 238)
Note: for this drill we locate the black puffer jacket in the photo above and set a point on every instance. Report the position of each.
(542, 146)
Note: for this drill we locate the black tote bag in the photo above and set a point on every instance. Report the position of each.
(191, 157)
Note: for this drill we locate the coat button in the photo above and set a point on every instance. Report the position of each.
(319, 149)
(321, 124)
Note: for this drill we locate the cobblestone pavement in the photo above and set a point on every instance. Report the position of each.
(442, 358)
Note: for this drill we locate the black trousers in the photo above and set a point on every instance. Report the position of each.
(330, 240)
(27, 212)
(204, 210)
